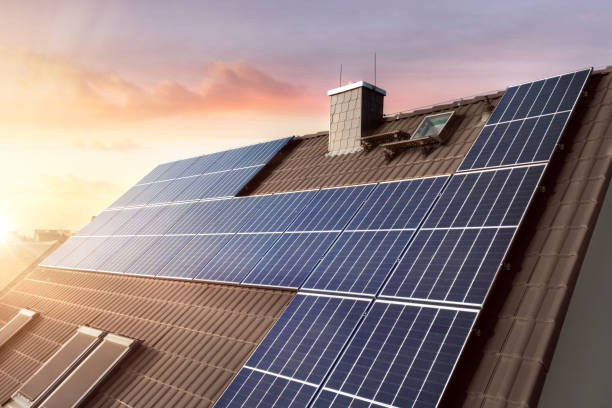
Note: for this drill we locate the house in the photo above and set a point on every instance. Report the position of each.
(411, 259)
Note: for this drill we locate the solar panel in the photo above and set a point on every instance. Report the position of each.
(166, 219)
(450, 265)
(402, 355)
(148, 194)
(102, 252)
(198, 216)
(233, 215)
(291, 259)
(56, 257)
(485, 198)
(87, 245)
(96, 223)
(358, 262)
(234, 261)
(194, 256)
(527, 122)
(159, 254)
(120, 218)
(127, 253)
(253, 388)
(308, 337)
(156, 173)
(173, 190)
(275, 212)
(140, 218)
(331, 209)
(398, 205)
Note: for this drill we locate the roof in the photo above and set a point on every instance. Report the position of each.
(197, 335)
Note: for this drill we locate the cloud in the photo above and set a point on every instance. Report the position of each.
(39, 89)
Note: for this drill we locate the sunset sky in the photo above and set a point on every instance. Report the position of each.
(93, 94)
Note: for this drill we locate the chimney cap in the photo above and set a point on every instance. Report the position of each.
(354, 85)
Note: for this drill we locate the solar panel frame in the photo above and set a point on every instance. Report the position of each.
(398, 344)
(302, 250)
(556, 98)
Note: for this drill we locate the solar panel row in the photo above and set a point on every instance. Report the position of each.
(527, 123)
(221, 174)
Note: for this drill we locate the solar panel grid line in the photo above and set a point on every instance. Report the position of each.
(259, 370)
(295, 252)
(351, 396)
(295, 352)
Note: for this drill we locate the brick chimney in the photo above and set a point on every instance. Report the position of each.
(354, 110)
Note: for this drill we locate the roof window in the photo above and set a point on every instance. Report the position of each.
(15, 324)
(431, 126)
(74, 370)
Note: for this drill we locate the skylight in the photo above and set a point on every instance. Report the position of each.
(15, 324)
(432, 125)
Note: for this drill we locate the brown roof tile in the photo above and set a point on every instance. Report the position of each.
(196, 335)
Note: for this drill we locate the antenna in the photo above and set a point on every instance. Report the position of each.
(374, 68)
(340, 82)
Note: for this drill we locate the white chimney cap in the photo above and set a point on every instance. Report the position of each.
(356, 85)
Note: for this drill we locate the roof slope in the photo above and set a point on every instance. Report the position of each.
(196, 335)
(521, 324)
(306, 164)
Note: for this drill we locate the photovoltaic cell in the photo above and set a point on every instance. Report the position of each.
(230, 184)
(401, 355)
(450, 265)
(56, 257)
(308, 337)
(129, 196)
(148, 194)
(159, 254)
(156, 173)
(398, 205)
(359, 262)
(194, 256)
(275, 212)
(127, 253)
(486, 198)
(141, 217)
(331, 209)
(177, 169)
(102, 252)
(527, 123)
(166, 219)
(291, 259)
(172, 190)
(198, 216)
(96, 223)
(255, 389)
(72, 258)
(236, 259)
(233, 215)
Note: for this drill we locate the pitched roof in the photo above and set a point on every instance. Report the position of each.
(197, 335)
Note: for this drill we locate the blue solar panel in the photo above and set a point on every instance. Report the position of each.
(194, 256)
(172, 190)
(149, 193)
(156, 173)
(202, 164)
(140, 218)
(359, 262)
(487, 198)
(527, 122)
(331, 209)
(262, 153)
(398, 205)
(159, 254)
(291, 259)
(68, 247)
(97, 223)
(402, 355)
(256, 389)
(102, 252)
(177, 169)
(234, 261)
(166, 219)
(231, 183)
(233, 215)
(275, 212)
(450, 265)
(308, 337)
(72, 258)
(126, 254)
(129, 196)
(198, 216)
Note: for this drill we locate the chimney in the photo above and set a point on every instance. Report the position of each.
(354, 110)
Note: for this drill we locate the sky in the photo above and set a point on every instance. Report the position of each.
(94, 94)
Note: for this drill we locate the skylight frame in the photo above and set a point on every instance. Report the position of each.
(429, 118)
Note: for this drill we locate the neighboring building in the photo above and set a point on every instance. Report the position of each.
(413, 259)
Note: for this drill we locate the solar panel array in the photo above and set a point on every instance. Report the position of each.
(424, 273)
(221, 174)
(391, 276)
